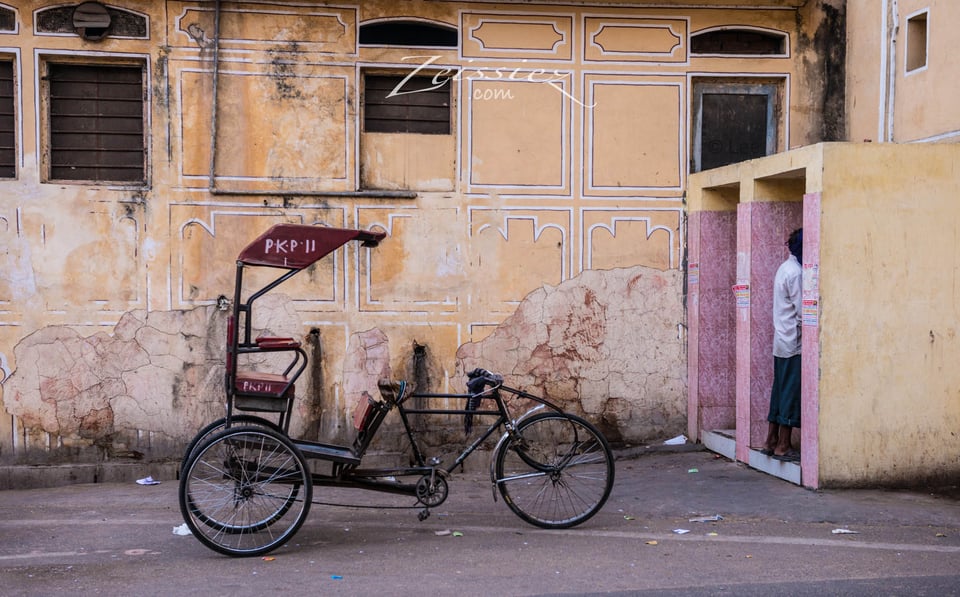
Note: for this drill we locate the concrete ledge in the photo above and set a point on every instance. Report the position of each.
(788, 471)
(722, 442)
(59, 475)
(42, 476)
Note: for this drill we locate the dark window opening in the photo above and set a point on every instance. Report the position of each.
(8, 128)
(96, 123)
(408, 33)
(8, 20)
(738, 42)
(734, 129)
(733, 123)
(398, 104)
(916, 42)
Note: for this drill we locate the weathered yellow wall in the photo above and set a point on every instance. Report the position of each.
(569, 153)
(885, 101)
(889, 407)
(865, 36)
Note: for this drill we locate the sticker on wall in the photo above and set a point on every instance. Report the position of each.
(693, 274)
(811, 312)
(742, 294)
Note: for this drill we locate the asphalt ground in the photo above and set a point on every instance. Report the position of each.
(676, 523)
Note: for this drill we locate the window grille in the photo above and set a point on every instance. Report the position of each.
(96, 123)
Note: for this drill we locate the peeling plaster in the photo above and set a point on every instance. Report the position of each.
(158, 376)
(604, 345)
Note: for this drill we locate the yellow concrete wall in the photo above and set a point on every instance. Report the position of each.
(864, 103)
(889, 408)
(569, 153)
(886, 101)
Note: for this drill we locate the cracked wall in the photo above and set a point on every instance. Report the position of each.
(604, 345)
(141, 391)
(607, 344)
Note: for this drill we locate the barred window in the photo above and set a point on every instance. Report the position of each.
(8, 127)
(96, 123)
(402, 104)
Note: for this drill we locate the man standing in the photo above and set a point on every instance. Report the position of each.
(787, 318)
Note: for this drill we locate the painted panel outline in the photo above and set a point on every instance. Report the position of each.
(402, 212)
(203, 179)
(675, 236)
(561, 23)
(527, 213)
(563, 187)
(593, 79)
(595, 53)
(227, 43)
(177, 298)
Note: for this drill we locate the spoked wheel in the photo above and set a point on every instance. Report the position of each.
(556, 472)
(245, 491)
(218, 426)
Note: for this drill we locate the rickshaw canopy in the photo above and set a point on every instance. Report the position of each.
(298, 246)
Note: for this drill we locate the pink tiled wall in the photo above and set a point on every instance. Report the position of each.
(712, 364)
(730, 356)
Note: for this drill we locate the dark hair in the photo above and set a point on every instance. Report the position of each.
(795, 244)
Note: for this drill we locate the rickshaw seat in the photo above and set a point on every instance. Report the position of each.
(259, 391)
(274, 343)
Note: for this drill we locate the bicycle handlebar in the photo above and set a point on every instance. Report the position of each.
(489, 378)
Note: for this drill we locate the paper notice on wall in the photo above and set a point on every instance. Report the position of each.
(811, 312)
(693, 274)
(811, 295)
(811, 279)
(742, 293)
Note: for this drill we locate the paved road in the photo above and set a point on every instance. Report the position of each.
(773, 539)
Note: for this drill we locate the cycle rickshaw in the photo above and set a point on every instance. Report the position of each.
(246, 486)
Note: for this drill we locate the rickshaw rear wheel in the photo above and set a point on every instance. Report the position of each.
(245, 491)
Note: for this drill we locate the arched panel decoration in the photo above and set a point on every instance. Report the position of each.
(92, 21)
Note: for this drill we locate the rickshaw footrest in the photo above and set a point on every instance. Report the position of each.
(328, 452)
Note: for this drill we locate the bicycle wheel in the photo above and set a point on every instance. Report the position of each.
(556, 472)
(221, 424)
(245, 491)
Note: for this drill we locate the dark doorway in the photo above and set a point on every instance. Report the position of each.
(732, 123)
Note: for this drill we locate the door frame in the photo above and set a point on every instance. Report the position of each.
(768, 89)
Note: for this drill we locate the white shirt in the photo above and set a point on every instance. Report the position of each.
(787, 304)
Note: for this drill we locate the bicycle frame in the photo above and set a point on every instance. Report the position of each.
(347, 475)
